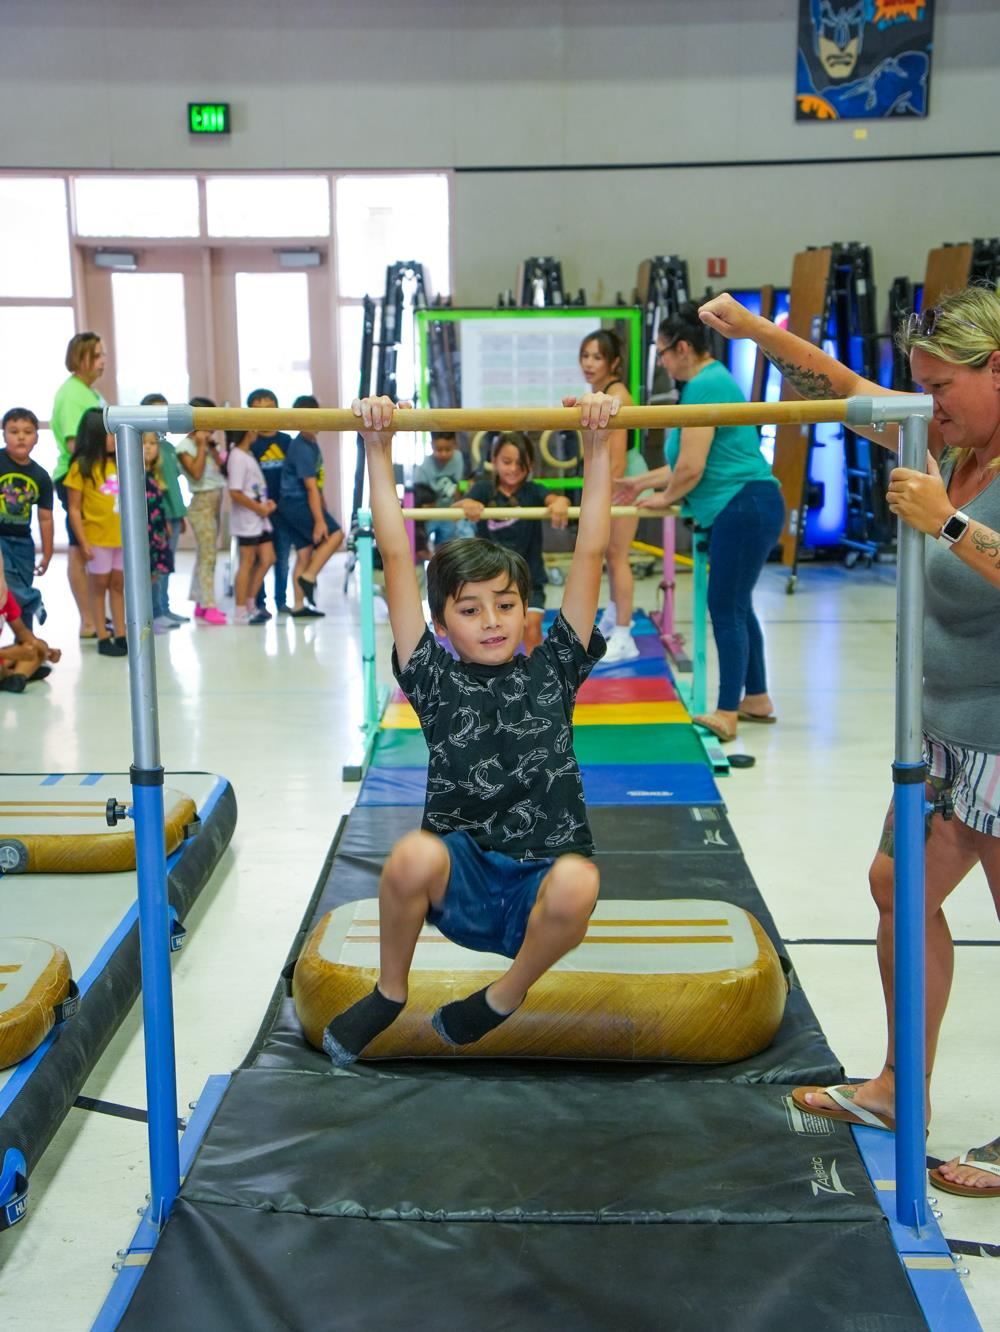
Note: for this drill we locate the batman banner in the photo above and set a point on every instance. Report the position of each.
(863, 59)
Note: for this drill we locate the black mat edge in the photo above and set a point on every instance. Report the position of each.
(40, 1106)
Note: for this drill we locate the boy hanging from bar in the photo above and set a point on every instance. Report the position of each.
(501, 861)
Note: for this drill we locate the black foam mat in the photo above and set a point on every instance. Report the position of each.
(705, 862)
(236, 1269)
(511, 1149)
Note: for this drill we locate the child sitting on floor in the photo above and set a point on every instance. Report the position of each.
(501, 861)
(26, 659)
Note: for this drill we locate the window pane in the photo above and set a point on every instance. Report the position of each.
(272, 328)
(268, 206)
(383, 219)
(150, 336)
(34, 238)
(136, 205)
(34, 341)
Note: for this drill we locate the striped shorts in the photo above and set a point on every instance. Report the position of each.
(968, 777)
(973, 779)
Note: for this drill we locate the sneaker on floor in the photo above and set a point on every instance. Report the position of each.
(622, 647)
(13, 684)
(212, 615)
(241, 617)
(177, 619)
(608, 619)
(163, 624)
(307, 613)
(112, 647)
(199, 612)
(258, 617)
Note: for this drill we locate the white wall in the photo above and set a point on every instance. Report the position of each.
(488, 83)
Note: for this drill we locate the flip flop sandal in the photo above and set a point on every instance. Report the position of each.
(756, 717)
(967, 1190)
(715, 729)
(847, 1110)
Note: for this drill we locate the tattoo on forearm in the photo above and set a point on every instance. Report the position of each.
(810, 383)
(987, 543)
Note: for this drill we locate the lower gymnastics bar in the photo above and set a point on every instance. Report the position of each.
(508, 515)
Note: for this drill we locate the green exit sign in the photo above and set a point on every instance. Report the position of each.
(208, 117)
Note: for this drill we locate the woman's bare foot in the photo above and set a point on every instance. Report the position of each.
(757, 705)
(968, 1176)
(877, 1094)
(723, 725)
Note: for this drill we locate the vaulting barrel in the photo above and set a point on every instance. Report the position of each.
(673, 981)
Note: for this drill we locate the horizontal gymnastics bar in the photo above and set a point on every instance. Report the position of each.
(179, 418)
(520, 418)
(508, 515)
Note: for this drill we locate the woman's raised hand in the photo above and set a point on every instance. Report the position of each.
(727, 316)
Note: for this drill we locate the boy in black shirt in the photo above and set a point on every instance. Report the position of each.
(500, 863)
(24, 485)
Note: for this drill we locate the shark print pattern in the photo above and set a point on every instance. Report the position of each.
(500, 741)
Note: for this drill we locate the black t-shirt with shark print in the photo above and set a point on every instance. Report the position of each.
(502, 766)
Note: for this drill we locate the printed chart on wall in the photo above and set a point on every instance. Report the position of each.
(514, 363)
(863, 59)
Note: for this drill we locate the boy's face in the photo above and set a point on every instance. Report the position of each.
(443, 450)
(266, 401)
(20, 437)
(485, 622)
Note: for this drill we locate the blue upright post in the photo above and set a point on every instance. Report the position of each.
(151, 860)
(908, 789)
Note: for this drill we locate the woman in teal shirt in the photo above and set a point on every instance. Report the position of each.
(724, 483)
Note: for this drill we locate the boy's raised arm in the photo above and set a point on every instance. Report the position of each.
(583, 585)
(406, 614)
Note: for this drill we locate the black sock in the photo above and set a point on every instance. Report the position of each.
(349, 1032)
(467, 1020)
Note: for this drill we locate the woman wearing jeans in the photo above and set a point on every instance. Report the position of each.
(726, 485)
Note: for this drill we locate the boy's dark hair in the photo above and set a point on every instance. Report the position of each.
(685, 326)
(90, 450)
(20, 414)
(305, 400)
(472, 560)
(153, 400)
(443, 434)
(200, 402)
(257, 393)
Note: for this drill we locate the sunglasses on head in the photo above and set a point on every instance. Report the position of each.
(923, 325)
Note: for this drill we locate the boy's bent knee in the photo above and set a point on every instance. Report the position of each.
(418, 862)
(572, 888)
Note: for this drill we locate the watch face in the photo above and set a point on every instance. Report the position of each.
(955, 526)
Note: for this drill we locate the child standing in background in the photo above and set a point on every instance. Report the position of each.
(24, 485)
(436, 484)
(270, 450)
(250, 524)
(95, 518)
(161, 557)
(512, 488)
(199, 457)
(174, 510)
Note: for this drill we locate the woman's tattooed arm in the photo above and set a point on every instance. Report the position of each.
(810, 383)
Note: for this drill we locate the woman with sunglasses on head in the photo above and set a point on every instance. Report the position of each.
(954, 350)
(723, 481)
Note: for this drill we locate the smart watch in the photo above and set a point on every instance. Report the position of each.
(954, 528)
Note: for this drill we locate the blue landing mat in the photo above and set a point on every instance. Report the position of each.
(638, 784)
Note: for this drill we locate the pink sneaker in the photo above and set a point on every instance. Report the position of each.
(199, 612)
(211, 615)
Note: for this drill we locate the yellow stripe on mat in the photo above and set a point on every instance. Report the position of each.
(400, 716)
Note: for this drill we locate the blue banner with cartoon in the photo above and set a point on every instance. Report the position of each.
(863, 59)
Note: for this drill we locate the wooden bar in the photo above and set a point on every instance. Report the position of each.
(508, 515)
(521, 418)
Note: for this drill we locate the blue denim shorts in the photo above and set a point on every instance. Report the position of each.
(489, 897)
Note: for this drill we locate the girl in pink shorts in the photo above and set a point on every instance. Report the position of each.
(92, 490)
